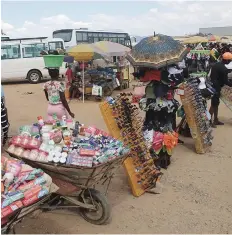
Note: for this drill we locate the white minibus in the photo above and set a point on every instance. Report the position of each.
(21, 58)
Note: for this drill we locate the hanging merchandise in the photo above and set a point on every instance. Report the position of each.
(123, 121)
(226, 96)
(197, 115)
(160, 107)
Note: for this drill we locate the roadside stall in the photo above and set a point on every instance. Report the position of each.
(122, 66)
(73, 157)
(155, 63)
(151, 140)
(85, 53)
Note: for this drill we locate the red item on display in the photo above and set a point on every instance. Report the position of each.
(151, 75)
(170, 95)
(86, 152)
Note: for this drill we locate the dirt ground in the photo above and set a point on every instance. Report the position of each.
(196, 193)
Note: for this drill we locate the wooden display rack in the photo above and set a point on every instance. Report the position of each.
(129, 163)
(190, 117)
(226, 100)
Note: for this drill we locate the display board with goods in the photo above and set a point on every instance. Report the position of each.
(197, 115)
(226, 96)
(123, 121)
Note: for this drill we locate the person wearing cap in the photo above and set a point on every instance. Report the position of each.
(219, 78)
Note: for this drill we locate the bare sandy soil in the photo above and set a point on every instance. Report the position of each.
(197, 189)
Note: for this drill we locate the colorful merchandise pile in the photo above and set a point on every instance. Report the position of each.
(65, 142)
(226, 96)
(21, 186)
(197, 116)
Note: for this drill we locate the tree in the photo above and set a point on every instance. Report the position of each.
(2, 33)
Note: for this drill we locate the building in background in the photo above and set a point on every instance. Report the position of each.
(220, 31)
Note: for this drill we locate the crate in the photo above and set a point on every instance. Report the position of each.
(53, 61)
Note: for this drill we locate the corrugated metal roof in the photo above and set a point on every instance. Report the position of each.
(220, 31)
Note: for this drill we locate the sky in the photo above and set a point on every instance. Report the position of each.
(138, 18)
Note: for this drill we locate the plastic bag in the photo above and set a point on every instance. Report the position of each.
(33, 144)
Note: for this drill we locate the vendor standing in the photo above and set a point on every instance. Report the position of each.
(54, 92)
(4, 118)
(219, 78)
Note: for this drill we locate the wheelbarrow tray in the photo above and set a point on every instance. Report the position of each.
(83, 177)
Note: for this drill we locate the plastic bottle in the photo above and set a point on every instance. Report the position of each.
(40, 121)
(64, 123)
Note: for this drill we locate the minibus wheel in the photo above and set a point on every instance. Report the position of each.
(34, 76)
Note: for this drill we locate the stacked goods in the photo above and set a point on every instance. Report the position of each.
(63, 142)
(123, 122)
(226, 96)
(21, 186)
(197, 115)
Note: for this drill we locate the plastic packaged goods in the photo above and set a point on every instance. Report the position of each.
(33, 143)
(25, 131)
(11, 208)
(18, 151)
(55, 143)
(35, 197)
(12, 198)
(32, 191)
(24, 141)
(34, 154)
(13, 167)
(16, 140)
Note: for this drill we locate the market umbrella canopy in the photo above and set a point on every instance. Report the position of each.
(112, 48)
(156, 52)
(195, 39)
(85, 52)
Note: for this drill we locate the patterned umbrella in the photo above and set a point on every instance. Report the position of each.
(157, 51)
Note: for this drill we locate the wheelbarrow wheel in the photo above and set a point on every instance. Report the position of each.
(102, 214)
(107, 91)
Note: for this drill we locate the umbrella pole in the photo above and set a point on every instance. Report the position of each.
(83, 82)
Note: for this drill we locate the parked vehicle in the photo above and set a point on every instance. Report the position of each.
(21, 58)
(73, 37)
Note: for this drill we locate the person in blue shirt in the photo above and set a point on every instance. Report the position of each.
(4, 118)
